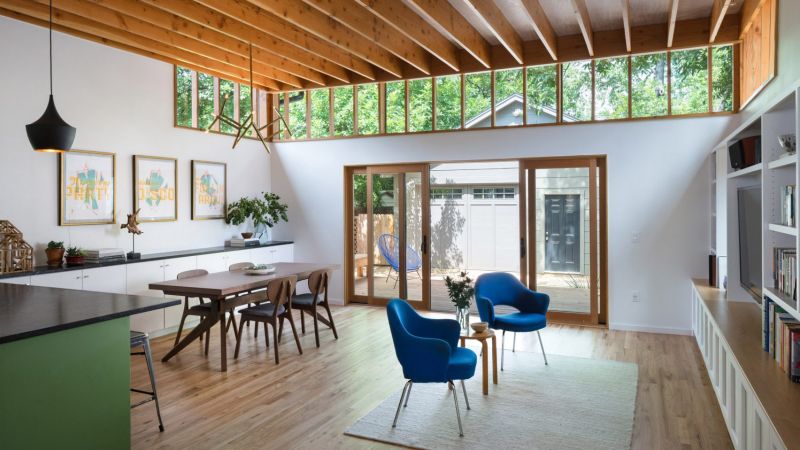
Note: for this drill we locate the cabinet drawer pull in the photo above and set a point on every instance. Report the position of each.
(78, 277)
(86, 276)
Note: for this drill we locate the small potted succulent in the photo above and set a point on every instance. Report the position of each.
(74, 256)
(55, 253)
(265, 211)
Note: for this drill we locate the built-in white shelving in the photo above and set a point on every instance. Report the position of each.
(755, 169)
(791, 231)
(785, 161)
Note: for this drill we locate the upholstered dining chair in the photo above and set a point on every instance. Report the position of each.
(500, 288)
(279, 308)
(428, 351)
(318, 297)
(244, 266)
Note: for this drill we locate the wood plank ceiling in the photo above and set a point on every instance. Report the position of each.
(298, 44)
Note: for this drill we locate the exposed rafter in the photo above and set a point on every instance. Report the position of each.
(494, 19)
(718, 11)
(671, 21)
(582, 16)
(406, 21)
(626, 23)
(541, 25)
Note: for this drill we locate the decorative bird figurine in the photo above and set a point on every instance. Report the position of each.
(133, 223)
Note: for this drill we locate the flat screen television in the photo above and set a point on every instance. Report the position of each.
(749, 202)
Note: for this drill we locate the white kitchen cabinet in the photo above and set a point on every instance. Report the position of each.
(274, 254)
(139, 277)
(72, 279)
(212, 262)
(172, 267)
(105, 279)
(16, 280)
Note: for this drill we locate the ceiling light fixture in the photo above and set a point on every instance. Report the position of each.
(50, 133)
(249, 122)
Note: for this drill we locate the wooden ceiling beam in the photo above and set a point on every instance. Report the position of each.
(671, 21)
(747, 12)
(626, 22)
(76, 22)
(176, 24)
(328, 29)
(268, 33)
(718, 11)
(374, 29)
(541, 25)
(147, 30)
(442, 13)
(585, 24)
(406, 21)
(494, 19)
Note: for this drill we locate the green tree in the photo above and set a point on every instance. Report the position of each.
(297, 114)
(649, 85)
(320, 113)
(689, 81)
(541, 93)
(611, 88)
(226, 92)
(380, 186)
(205, 106)
(420, 104)
(448, 102)
(343, 111)
(396, 107)
(506, 84)
(368, 116)
(722, 78)
(183, 97)
(477, 95)
(577, 90)
(246, 108)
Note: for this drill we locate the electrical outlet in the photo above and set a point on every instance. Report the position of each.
(636, 297)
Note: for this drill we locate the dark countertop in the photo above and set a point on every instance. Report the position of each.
(40, 270)
(28, 311)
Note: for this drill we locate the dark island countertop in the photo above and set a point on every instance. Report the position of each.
(27, 311)
(40, 270)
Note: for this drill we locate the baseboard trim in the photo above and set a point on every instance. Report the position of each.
(649, 329)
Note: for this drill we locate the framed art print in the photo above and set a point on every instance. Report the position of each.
(209, 190)
(155, 188)
(87, 189)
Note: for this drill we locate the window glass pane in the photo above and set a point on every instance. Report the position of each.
(446, 193)
(577, 91)
(420, 104)
(722, 78)
(395, 107)
(183, 97)
(478, 100)
(611, 88)
(280, 99)
(448, 102)
(320, 113)
(508, 102)
(297, 114)
(343, 111)
(689, 81)
(541, 93)
(649, 85)
(226, 92)
(245, 108)
(368, 117)
(205, 100)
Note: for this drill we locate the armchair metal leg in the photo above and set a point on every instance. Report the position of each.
(542, 346)
(458, 413)
(514, 343)
(408, 394)
(466, 399)
(402, 394)
(503, 350)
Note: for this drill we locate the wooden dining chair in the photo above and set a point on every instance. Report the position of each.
(308, 303)
(279, 308)
(244, 266)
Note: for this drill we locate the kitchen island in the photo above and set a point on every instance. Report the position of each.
(65, 366)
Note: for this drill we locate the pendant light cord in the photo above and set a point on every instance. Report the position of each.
(51, 47)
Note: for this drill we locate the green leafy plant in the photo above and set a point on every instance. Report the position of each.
(54, 244)
(460, 290)
(74, 251)
(267, 210)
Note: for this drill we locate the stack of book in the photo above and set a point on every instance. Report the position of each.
(787, 205)
(781, 338)
(240, 242)
(104, 255)
(784, 271)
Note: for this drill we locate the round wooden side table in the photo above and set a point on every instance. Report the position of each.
(482, 338)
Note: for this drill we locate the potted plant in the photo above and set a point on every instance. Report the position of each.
(461, 291)
(265, 211)
(55, 253)
(74, 256)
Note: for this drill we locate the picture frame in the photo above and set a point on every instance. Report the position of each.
(87, 188)
(155, 188)
(209, 190)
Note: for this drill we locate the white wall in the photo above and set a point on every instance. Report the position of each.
(658, 186)
(119, 102)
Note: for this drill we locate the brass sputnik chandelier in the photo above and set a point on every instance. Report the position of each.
(243, 126)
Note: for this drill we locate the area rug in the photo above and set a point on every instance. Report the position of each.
(572, 403)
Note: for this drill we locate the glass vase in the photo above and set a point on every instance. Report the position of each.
(462, 316)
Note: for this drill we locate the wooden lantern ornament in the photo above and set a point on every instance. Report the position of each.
(16, 255)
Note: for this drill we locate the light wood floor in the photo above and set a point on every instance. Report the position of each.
(308, 401)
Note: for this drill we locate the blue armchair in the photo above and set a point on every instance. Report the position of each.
(500, 288)
(428, 351)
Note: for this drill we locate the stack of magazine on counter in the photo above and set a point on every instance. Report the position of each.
(104, 255)
(240, 242)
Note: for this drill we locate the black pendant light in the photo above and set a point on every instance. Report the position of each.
(50, 133)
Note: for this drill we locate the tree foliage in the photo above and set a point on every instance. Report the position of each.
(506, 84)
(611, 88)
(448, 102)
(477, 94)
(343, 111)
(395, 107)
(205, 106)
(320, 113)
(576, 78)
(649, 85)
(183, 97)
(226, 92)
(541, 93)
(689, 81)
(722, 78)
(368, 116)
(420, 105)
(297, 114)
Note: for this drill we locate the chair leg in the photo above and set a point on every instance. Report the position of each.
(266, 332)
(294, 331)
(466, 399)
(458, 413)
(502, 350)
(280, 331)
(275, 336)
(302, 321)
(208, 339)
(239, 337)
(255, 335)
(316, 326)
(149, 359)
(330, 319)
(400, 403)
(542, 346)
(180, 329)
(408, 394)
(514, 343)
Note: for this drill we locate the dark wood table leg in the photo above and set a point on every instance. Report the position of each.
(223, 334)
(463, 342)
(196, 332)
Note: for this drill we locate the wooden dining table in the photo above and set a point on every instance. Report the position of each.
(227, 290)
